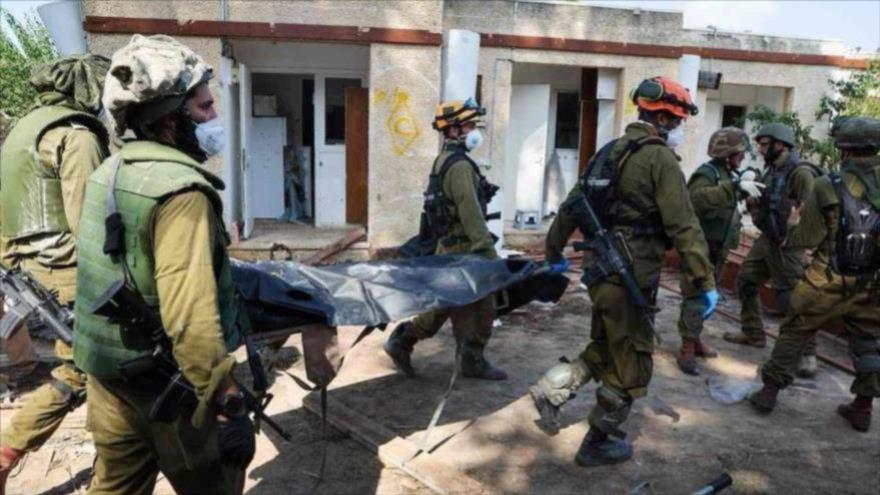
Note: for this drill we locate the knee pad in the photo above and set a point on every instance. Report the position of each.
(73, 398)
(865, 352)
(559, 383)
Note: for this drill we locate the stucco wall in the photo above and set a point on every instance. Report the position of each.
(154, 9)
(404, 91)
(411, 14)
(208, 48)
(562, 21)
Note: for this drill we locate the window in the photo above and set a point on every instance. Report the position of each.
(568, 120)
(334, 123)
(733, 116)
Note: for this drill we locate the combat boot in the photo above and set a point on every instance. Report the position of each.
(599, 449)
(475, 365)
(759, 341)
(858, 413)
(687, 359)
(764, 400)
(399, 348)
(704, 351)
(807, 366)
(9, 457)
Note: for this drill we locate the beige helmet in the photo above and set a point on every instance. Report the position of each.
(728, 141)
(149, 77)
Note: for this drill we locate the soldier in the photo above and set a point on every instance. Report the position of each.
(650, 208)
(455, 206)
(715, 189)
(788, 182)
(42, 197)
(841, 220)
(157, 213)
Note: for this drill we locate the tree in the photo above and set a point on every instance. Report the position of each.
(857, 94)
(806, 145)
(17, 59)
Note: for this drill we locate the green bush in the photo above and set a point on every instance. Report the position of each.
(16, 61)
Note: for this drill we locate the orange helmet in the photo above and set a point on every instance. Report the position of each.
(662, 93)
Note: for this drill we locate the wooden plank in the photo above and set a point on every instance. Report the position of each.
(395, 451)
(356, 152)
(351, 236)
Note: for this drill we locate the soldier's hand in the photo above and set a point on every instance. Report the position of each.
(752, 189)
(794, 216)
(236, 440)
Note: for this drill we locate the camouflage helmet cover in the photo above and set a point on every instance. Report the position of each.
(728, 141)
(151, 69)
(777, 131)
(856, 132)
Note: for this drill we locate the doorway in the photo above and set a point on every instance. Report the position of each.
(300, 135)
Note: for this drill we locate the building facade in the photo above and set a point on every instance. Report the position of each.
(330, 102)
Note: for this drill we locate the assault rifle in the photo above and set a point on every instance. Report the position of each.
(26, 296)
(612, 258)
(127, 308)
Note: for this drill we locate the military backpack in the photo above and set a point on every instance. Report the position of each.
(599, 184)
(858, 229)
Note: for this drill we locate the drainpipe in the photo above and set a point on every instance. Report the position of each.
(64, 21)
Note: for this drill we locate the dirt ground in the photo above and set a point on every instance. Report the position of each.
(682, 437)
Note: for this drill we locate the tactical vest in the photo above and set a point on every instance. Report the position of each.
(856, 250)
(717, 223)
(149, 174)
(775, 202)
(438, 208)
(599, 183)
(32, 202)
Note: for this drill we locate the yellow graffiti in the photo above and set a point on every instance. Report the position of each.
(401, 123)
(380, 96)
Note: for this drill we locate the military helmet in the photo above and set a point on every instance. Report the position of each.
(777, 131)
(149, 78)
(728, 141)
(456, 112)
(856, 133)
(77, 80)
(663, 93)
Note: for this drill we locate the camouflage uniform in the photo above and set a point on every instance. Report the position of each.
(70, 144)
(824, 293)
(619, 356)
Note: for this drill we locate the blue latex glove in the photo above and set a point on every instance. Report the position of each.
(710, 300)
(558, 268)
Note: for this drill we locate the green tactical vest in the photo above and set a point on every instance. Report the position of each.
(150, 174)
(32, 202)
(717, 224)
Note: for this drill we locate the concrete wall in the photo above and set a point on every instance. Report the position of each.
(154, 9)
(404, 91)
(411, 14)
(562, 21)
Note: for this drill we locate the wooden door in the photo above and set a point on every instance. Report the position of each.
(356, 143)
(589, 116)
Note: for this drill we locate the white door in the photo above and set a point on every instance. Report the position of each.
(269, 137)
(527, 145)
(246, 118)
(329, 101)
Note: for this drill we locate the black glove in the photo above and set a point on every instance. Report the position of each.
(237, 440)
